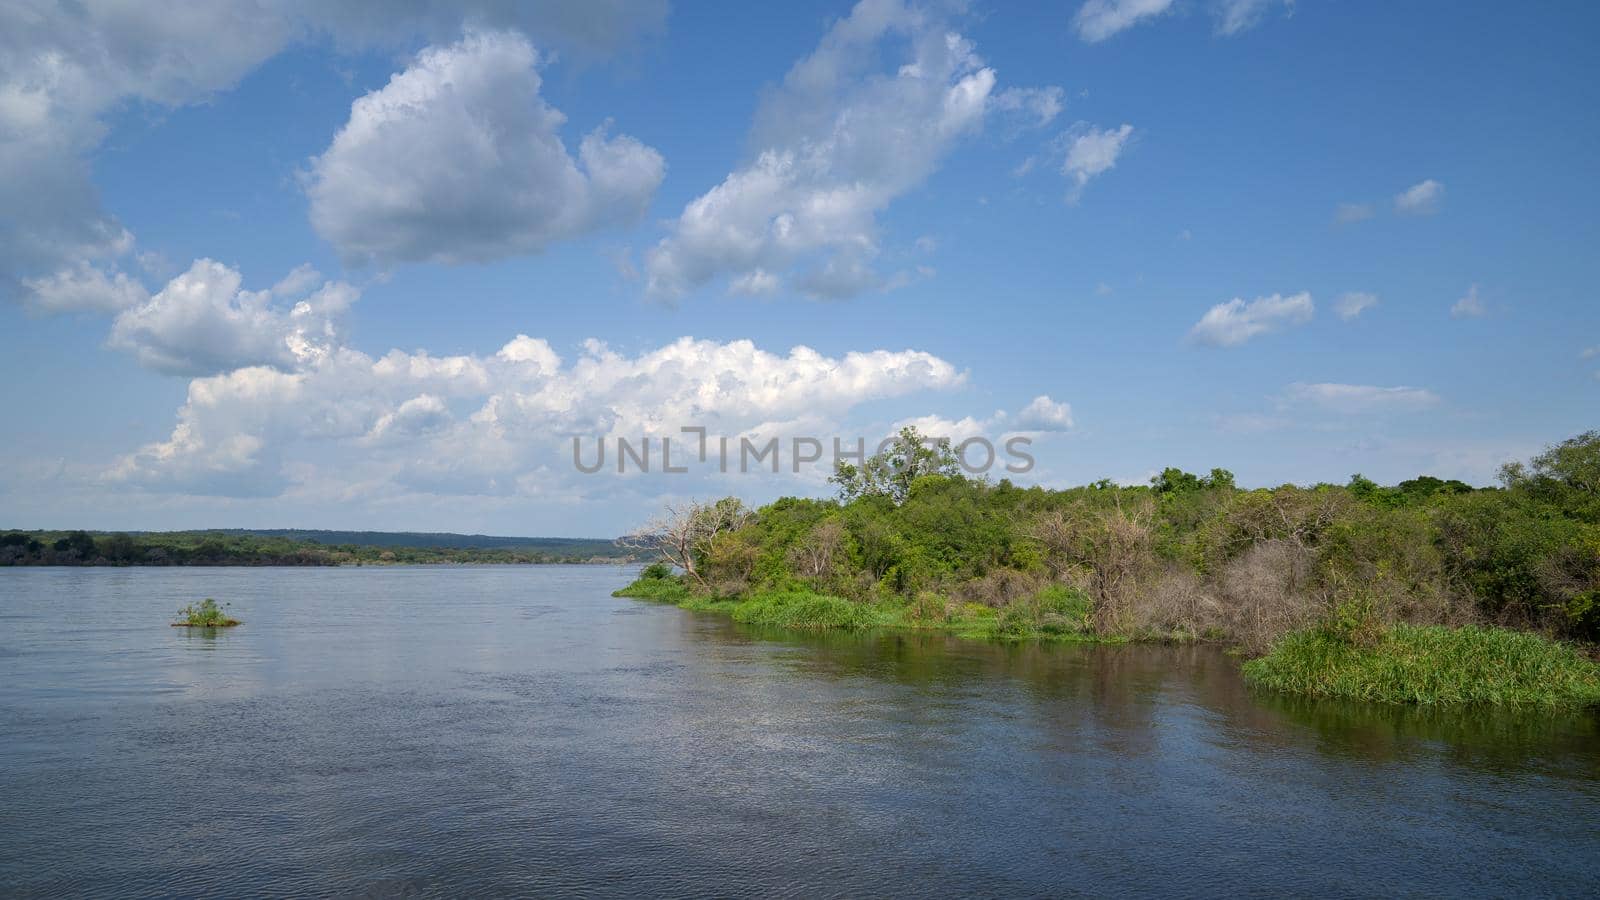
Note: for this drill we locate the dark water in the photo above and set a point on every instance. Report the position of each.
(465, 731)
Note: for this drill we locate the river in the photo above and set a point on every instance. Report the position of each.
(472, 730)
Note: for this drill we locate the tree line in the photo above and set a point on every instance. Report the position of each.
(1187, 556)
(215, 548)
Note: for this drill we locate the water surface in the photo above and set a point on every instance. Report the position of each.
(468, 730)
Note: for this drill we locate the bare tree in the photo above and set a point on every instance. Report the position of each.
(681, 534)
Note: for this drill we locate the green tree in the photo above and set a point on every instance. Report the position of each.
(1566, 475)
(77, 544)
(909, 456)
(1173, 480)
(120, 548)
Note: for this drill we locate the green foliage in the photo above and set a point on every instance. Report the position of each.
(1057, 612)
(206, 614)
(1363, 566)
(1411, 492)
(656, 570)
(657, 583)
(1500, 548)
(1429, 550)
(1177, 481)
(77, 544)
(1063, 609)
(1566, 476)
(909, 457)
(1429, 665)
(798, 609)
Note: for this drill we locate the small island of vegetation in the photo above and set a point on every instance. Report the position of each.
(1429, 591)
(205, 614)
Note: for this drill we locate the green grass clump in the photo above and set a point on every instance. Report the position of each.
(1431, 664)
(654, 586)
(801, 609)
(205, 614)
(709, 603)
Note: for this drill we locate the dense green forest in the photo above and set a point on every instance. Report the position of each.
(292, 548)
(911, 542)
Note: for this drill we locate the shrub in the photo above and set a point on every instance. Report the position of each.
(656, 570)
(1063, 610)
(928, 607)
(665, 590)
(1265, 594)
(1177, 606)
(206, 614)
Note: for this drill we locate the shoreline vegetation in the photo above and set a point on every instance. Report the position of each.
(1425, 592)
(205, 614)
(296, 548)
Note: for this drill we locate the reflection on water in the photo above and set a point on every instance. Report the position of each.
(1127, 691)
(475, 730)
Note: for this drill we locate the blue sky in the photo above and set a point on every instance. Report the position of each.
(954, 210)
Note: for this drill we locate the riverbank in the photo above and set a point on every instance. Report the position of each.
(1402, 664)
(1391, 573)
(1059, 615)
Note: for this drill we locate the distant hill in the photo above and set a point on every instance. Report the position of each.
(556, 546)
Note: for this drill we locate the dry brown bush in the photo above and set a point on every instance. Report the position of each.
(1108, 553)
(1176, 604)
(1265, 594)
(1001, 587)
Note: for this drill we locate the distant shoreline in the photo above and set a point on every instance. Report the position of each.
(237, 548)
(104, 564)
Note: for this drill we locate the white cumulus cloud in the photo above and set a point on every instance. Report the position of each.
(202, 322)
(1236, 321)
(495, 424)
(420, 415)
(459, 158)
(837, 142)
(65, 67)
(1044, 414)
